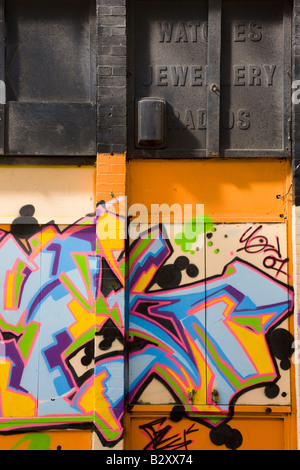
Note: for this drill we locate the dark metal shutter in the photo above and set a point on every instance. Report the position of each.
(222, 68)
(50, 77)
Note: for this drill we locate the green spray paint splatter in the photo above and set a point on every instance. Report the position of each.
(36, 441)
(191, 232)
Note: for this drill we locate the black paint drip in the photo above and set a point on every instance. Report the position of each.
(169, 276)
(26, 225)
(281, 345)
(225, 435)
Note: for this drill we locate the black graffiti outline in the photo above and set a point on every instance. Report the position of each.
(158, 440)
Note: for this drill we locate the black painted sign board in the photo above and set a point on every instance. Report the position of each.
(224, 71)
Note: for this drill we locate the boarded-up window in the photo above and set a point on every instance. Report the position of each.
(48, 66)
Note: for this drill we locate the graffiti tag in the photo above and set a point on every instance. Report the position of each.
(159, 440)
(255, 242)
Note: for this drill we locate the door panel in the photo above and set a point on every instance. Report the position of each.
(166, 365)
(207, 319)
(161, 433)
(243, 307)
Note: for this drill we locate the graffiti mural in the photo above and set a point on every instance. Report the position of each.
(61, 323)
(205, 342)
(207, 328)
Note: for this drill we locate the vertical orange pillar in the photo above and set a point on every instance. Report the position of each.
(110, 192)
(111, 176)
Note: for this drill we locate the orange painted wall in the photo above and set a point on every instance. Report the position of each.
(260, 431)
(48, 440)
(232, 191)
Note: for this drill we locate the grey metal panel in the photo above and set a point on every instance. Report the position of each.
(296, 105)
(214, 78)
(48, 50)
(254, 76)
(169, 41)
(248, 114)
(2, 77)
(51, 128)
(50, 73)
